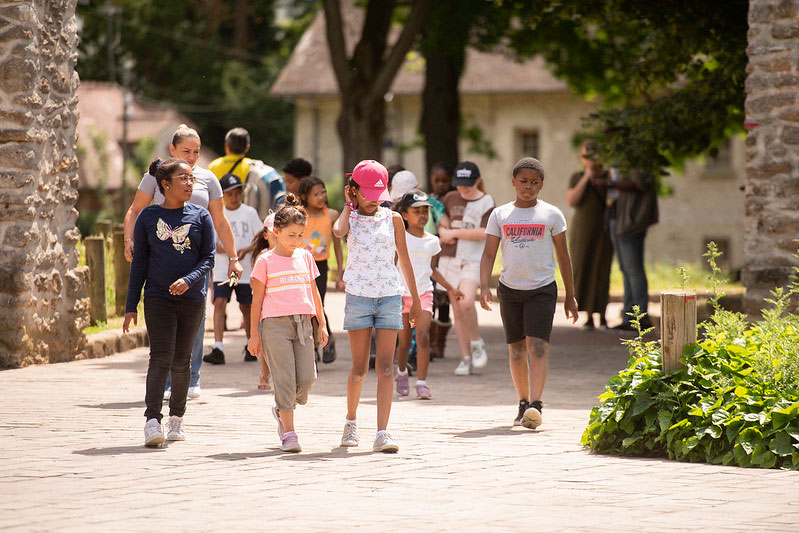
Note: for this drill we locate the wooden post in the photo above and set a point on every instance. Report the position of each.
(121, 273)
(677, 325)
(95, 260)
(103, 227)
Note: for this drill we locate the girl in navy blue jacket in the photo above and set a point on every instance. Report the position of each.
(173, 250)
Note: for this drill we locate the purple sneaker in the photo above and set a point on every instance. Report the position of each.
(423, 392)
(402, 385)
(290, 443)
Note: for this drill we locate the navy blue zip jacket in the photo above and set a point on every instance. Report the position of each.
(169, 244)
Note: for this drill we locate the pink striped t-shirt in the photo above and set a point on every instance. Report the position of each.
(287, 282)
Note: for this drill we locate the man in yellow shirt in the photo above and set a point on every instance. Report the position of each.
(237, 144)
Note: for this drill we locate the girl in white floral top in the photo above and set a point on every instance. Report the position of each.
(374, 292)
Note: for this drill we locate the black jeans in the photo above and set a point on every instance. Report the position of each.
(171, 326)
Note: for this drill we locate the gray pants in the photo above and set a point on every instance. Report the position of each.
(288, 344)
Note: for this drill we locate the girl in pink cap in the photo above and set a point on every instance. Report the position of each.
(374, 292)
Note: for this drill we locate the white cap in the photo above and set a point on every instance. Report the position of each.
(404, 181)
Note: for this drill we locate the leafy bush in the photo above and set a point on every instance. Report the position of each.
(735, 401)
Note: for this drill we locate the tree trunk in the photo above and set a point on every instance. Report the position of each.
(364, 78)
(241, 15)
(444, 49)
(361, 127)
(441, 116)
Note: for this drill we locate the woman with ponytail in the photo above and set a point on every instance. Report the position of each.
(206, 193)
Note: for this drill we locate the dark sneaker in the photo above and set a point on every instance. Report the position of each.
(248, 356)
(523, 405)
(329, 353)
(216, 357)
(532, 416)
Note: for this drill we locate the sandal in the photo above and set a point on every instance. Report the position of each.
(263, 383)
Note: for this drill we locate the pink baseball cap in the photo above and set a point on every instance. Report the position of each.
(372, 177)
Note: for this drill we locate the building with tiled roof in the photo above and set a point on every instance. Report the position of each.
(520, 109)
(100, 140)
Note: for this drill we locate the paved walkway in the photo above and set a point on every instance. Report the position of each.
(71, 434)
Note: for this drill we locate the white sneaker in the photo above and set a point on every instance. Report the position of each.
(385, 443)
(478, 352)
(167, 394)
(350, 437)
(175, 428)
(464, 368)
(153, 434)
(194, 392)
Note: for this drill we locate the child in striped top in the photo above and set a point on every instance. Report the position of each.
(285, 297)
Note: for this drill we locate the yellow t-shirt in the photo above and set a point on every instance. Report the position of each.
(222, 165)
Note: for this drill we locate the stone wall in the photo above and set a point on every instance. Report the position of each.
(43, 299)
(772, 111)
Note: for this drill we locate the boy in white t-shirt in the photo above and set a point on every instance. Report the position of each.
(423, 249)
(529, 230)
(462, 235)
(245, 223)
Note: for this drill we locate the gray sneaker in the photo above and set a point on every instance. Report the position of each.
(385, 443)
(350, 437)
(153, 434)
(175, 429)
(279, 423)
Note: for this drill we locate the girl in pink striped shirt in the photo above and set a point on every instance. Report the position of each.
(284, 291)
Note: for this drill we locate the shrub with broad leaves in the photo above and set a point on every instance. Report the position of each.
(735, 401)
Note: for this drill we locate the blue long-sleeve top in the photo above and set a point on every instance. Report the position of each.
(169, 244)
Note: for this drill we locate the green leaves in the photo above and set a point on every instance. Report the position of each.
(722, 408)
(670, 74)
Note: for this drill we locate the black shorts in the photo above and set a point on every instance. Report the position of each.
(527, 313)
(243, 292)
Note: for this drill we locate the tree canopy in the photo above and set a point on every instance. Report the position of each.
(670, 74)
(213, 60)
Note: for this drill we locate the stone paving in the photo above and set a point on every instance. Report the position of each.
(72, 455)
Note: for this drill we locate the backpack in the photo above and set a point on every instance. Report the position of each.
(229, 172)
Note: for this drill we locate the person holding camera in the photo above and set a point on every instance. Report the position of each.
(589, 243)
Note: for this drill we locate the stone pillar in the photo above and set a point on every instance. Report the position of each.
(772, 158)
(43, 298)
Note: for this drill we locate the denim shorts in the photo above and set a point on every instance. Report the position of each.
(361, 312)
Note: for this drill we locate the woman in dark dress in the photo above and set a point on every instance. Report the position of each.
(589, 242)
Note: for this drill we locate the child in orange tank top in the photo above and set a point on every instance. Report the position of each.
(317, 240)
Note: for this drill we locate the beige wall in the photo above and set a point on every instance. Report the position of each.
(705, 204)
